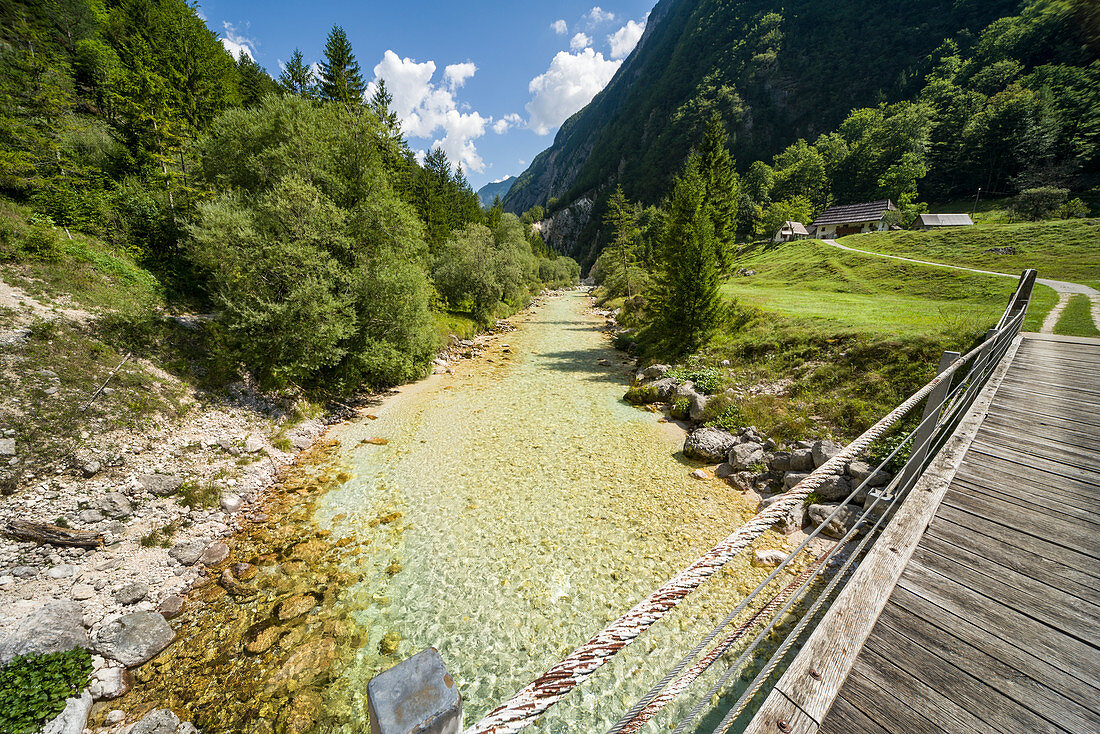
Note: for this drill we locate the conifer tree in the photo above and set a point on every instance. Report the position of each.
(622, 219)
(381, 102)
(688, 304)
(721, 187)
(297, 78)
(341, 79)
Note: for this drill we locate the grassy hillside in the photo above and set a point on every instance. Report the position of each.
(1076, 320)
(1067, 249)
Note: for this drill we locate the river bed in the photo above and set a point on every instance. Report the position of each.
(502, 514)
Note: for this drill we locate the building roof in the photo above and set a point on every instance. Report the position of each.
(794, 228)
(944, 220)
(872, 211)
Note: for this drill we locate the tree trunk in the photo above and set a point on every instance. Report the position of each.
(41, 532)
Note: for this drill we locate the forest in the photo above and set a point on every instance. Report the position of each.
(291, 207)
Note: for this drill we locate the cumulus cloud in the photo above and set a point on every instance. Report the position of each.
(506, 123)
(236, 43)
(560, 27)
(598, 15)
(569, 84)
(579, 41)
(429, 110)
(457, 74)
(625, 39)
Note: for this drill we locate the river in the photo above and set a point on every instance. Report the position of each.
(502, 514)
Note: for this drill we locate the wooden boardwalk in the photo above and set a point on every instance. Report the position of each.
(994, 624)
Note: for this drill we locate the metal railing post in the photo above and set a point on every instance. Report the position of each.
(921, 439)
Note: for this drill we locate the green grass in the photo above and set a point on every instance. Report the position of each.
(1067, 249)
(987, 211)
(459, 324)
(1076, 320)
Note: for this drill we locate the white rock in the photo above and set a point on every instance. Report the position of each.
(81, 592)
(114, 717)
(62, 571)
(73, 718)
(253, 443)
(7, 447)
(769, 557)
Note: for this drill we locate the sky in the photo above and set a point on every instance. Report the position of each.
(490, 81)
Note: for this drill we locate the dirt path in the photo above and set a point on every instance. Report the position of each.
(1063, 288)
(16, 298)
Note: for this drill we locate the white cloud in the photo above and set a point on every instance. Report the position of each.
(427, 109)
(560, 27)
(598, 15)
(626, 38)
(506, 123)
(579, 41)
(236, 43)
(457, 74)
(569, 84)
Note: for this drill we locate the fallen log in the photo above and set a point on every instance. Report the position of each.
(53, 534)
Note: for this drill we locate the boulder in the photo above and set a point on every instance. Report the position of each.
(134, 638)
(697, 405)
(802, 459)
(231, 503)
(770, 557)
(171, 606)
(157, 721)
(214, 554)
(792, 478)
(91, 516)
(131, 593)
(655, 371)
(825, 450)
(781, 462)
(861, 471)
(7, 447)
(56, 626)
(724, 470)
(115, 505)
(187, 552)
(62, 571)
(790, 521)
(666, 389)
(91, 469)
(111, 682)
(745, 455)
(835, 487)
(253, 443)
(708, 444)
(839, 525)
(161, 485)
(80, 592)
(187, 728)
(73, 718)
(700, 474)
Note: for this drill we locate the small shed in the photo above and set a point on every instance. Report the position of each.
(837, 221)
(935, 221)
(791, 231)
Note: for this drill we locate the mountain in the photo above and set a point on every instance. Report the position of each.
(775, 71)
(490, 191)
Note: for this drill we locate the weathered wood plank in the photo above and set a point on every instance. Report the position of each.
(1057, 385)
(992, 470)
(1050, 467)
(1067, 557)
(1006, 410)
(1038, 428)
(1022, 690)
(1039, 639)
(1035, 339)
(996, 711)
(1053, 529)
(845, 718)
(1015, 591)
(1030, 452)
(1041, 403)
(1043, 502)
(779, 715)
(1000, 551)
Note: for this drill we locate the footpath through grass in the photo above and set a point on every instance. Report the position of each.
(1065, 249)
(1076, 320)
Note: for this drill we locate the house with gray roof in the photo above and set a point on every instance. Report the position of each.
(837, 221)
(791, 231)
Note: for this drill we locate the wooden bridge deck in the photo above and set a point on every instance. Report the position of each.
(994, 624)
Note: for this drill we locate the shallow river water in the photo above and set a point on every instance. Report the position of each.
(515, 507)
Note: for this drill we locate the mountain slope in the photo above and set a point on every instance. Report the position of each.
(490, 191)
(776, 72)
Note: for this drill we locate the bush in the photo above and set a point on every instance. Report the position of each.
(33, 688)
(706, 379)
(728, 416)
(1039, 203)
(681, 409)
(1074, 209)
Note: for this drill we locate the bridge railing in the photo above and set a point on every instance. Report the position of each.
(946, 399)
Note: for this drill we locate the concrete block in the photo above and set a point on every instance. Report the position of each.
(416, 696)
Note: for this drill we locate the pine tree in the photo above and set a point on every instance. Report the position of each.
(297, 77)
(381, 102)
(341, 79)
(721, 187)
(622, 219)
(688, 304)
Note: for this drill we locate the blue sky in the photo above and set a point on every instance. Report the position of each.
(491, 81)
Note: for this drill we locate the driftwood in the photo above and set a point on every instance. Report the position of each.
(53, 534)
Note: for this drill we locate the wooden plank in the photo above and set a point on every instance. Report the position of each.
(1041, 403)
(1030, 438)
(1043, 502)
(1086, 435)
(1051, 467)
(1024, 691)
(1001, 551)
(973, 523)
(832, 647)
(994, 470)
(779, 715)
(1068, 614)
(1057, 531)
(919, 703)
(1072, 456)
(998, 645)
(1041, 640)
(1057, 385)
(988, 705)
(1007, 410)
(845, 718)
(1035, 338)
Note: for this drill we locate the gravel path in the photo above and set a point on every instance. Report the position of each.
(1063, 288)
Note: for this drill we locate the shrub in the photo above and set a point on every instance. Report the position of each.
(1074, 209)
(706, 379)
(195, 494)
(33, 688)
(681, 409)
(883, 447)
(1039, 203)
(728, 415)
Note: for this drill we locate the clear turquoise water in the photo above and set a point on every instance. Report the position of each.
(536, 507)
